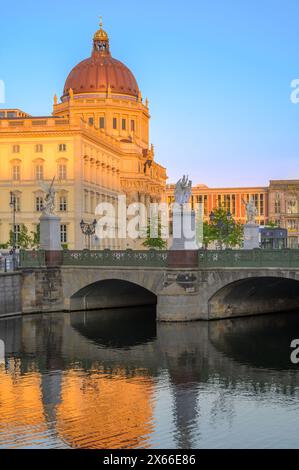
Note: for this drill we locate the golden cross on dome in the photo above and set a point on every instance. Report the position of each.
(101, 22)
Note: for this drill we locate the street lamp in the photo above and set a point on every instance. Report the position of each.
(13, 207)
(88, 230)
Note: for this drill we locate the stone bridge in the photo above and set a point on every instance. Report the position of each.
(186, 286)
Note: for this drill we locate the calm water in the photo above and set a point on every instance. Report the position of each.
(115, 379)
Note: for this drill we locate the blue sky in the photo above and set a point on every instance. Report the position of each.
(217, 75)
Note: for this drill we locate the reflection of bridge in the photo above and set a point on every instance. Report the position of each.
(186, 286)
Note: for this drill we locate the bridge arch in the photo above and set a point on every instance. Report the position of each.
(111, 293)
(253, 295)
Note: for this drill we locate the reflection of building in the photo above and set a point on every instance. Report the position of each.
(279, 203)
(96, 143)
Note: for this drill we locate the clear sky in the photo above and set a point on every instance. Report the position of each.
(217, 75)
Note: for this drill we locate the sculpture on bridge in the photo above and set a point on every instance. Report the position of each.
(49, 201)
(251, 211)
(183, 190)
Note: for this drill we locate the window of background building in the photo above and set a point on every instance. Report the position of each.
(11, 114)
(293, 242)
(39, 148)
(2, 114)
(90, 121)
(292, 206)
(114, 123)
(102, 122)
(63, 233)
(18, 203)
(123, 124)
(16, 172)
(63, 203)
(62, 147)
(17, 231)
(62, 171)
(16, 149)
(233, 206)
(277, 205)
(39, 203)
(39, 172)
(261, 204)
(291, 224)
(132, 125)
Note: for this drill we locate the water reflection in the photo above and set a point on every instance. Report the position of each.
(113, 379)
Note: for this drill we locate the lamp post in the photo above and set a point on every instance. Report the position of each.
(13, 207)
(88, 230)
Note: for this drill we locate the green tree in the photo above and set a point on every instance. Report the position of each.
(272, 224)
(153, 234)
(36, 237)
(24, 240)
(223, 230)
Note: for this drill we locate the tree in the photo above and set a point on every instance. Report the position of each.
(153, 228)
(36, 237)
(223, 230)
(24, 240)
(272, 224)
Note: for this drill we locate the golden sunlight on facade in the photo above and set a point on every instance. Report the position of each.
(96, 144)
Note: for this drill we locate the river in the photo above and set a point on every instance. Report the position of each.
(117, 379)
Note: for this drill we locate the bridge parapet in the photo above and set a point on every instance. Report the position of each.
(257, 258)
(145, 258)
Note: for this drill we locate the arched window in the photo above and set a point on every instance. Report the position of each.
(39, 169)
(63, 201)
(15, 149)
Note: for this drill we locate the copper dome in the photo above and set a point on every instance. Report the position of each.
(100, 71)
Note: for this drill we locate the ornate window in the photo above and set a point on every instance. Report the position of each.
(102, 122)
(132, 125)
(123, 124)
(292, 206)
(114, 123)
(15, 149)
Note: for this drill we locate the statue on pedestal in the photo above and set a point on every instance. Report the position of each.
(251, 211)
(49, 201)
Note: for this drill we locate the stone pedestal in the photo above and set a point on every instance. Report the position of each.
(183, 220)
(251, 236)
(50, 233)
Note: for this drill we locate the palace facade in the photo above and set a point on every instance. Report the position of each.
(277, 203)
(95, 143)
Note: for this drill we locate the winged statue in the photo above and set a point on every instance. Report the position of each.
(49, 200)
(183, 190)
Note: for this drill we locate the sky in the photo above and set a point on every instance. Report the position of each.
(217, 74)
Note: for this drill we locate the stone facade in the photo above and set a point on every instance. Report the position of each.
(10, 294)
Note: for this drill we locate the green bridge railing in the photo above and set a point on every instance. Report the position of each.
(32, 259)
(258, 258)
(207, 259)
(147, 258)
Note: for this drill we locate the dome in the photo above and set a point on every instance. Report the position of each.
(101, 71)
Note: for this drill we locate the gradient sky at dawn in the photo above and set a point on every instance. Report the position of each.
(217, 75)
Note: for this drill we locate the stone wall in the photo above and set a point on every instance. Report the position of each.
(10, 293)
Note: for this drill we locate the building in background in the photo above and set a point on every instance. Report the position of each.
(96, 144)
(276, 204)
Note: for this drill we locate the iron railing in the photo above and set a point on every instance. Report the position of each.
(148, 258)
(32, 259)
(257, 258)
